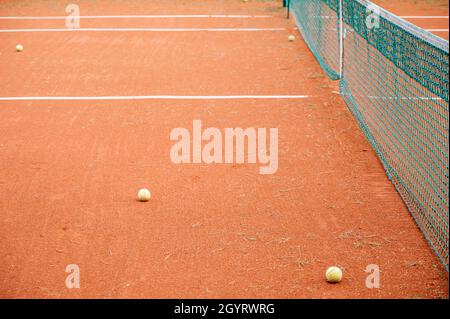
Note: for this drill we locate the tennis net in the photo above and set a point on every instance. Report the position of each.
(394, 77)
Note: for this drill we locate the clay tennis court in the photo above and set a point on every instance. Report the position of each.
(86, 118)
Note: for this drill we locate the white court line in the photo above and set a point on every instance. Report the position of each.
(163, 16)
(153, 97)
(404, 17)
(424, 17)
(437, 30)
(145, 30)
(179, 16)
(405, 98)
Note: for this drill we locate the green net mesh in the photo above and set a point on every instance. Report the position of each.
(318, 22)
(395, 80)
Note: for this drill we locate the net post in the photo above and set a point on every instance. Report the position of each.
(341, 41)
(286, 5)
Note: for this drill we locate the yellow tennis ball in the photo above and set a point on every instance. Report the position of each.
(291, 38)
(144, 195)
(333, 274)
(19, 48)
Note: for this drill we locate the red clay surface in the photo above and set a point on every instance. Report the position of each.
(70, 170)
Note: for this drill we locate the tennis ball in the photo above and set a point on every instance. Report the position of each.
(144, 195)
(333, 274)
(291, 38)
(19, 48)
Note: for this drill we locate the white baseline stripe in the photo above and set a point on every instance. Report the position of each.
(152, 97)
(145, 30)
(163, 16)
